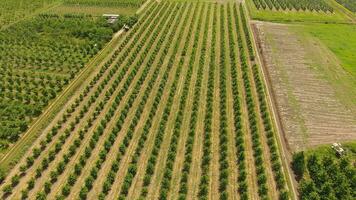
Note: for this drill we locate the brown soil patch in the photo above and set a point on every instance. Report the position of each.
(310, 111)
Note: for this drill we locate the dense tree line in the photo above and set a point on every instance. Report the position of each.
(325, 176)
(299, 5)
(106, 3)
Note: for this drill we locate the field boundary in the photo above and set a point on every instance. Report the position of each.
(285, 154)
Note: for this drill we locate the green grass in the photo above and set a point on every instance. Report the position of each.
(323, 150)
(329, 46)
(340, 39)
(295, 16)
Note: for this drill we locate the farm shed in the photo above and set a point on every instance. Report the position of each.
(111, 18)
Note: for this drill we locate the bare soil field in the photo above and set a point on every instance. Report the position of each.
(312, 92)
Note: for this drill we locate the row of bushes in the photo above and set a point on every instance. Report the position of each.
(132, 168)
(172, 152)
(223, 136)
(152, 161)
(268, 128)
(183, 187)
(252, 116)
(239, 135)
(206, 157)
(247, 34)
(317, 5)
